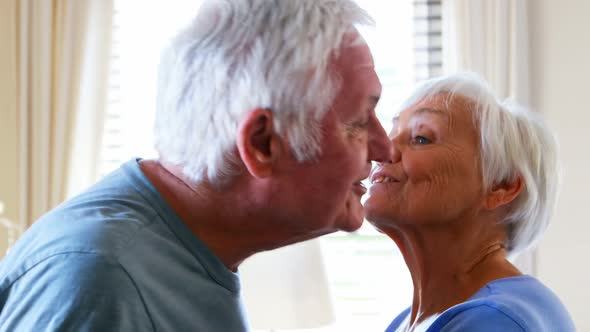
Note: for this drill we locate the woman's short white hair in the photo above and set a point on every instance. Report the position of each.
(514, 142)
(240, 55)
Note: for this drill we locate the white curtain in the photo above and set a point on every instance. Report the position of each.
(491, 37)
(63, 51)
(287, 288)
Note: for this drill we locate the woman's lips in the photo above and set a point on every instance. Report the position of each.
(383, 178)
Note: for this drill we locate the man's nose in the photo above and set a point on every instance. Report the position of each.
(396, 154)
(380, 149)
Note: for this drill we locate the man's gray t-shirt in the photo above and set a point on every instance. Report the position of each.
(116, 258)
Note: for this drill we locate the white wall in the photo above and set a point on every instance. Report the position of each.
(8, 116)
(560, 72)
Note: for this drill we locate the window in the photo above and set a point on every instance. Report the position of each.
(369, 279)
(137, 41)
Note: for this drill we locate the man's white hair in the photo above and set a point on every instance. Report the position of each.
(513, 142)
(240, 55)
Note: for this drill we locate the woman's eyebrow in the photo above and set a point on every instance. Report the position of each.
(424, 110)
(428, 110)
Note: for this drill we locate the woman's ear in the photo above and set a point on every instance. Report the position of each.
(258, 144)
(503, 193)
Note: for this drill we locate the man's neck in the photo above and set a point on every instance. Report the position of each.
(234, 223)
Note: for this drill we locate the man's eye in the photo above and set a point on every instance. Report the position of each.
(421, 140)
(363, 124)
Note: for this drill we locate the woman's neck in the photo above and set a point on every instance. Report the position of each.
(450, 263)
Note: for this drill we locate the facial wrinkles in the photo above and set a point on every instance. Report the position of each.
(442, 174)
(454, 155)
(348, 124)
(457, 166)
(349, 128)
(359, 97)
(357, 131)
(445, 175)
(435, 167)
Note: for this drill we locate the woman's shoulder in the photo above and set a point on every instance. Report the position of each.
(398, 321)
(520, 303)
(481, 317)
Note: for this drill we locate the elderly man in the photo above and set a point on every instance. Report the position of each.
(265, 127)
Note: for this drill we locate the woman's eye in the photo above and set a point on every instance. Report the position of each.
(421, 140)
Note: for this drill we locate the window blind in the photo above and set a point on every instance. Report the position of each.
(428, 39)
(113, 139)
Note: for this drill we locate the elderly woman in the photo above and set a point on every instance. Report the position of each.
(471, 182)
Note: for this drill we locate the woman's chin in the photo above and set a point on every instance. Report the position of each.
(377, 220)
(381, 220)
(372, 210)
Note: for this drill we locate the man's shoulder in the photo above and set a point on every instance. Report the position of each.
(84, 225)
(103, 222)
(76, 268)
(75, 290)
(105, 216)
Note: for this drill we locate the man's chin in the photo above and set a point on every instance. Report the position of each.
(351, 224)
(354, 227)
(354, 215)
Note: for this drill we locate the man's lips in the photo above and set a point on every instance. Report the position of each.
(359, 187)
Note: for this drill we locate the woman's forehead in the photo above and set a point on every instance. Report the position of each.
(440, 105)
(453, 113)
(423, 110)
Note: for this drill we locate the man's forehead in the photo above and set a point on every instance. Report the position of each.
(353, 38)
(354, 52)
(354, 58)
(355, 67)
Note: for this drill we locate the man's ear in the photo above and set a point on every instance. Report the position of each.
(503, 193)
(258, 145)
